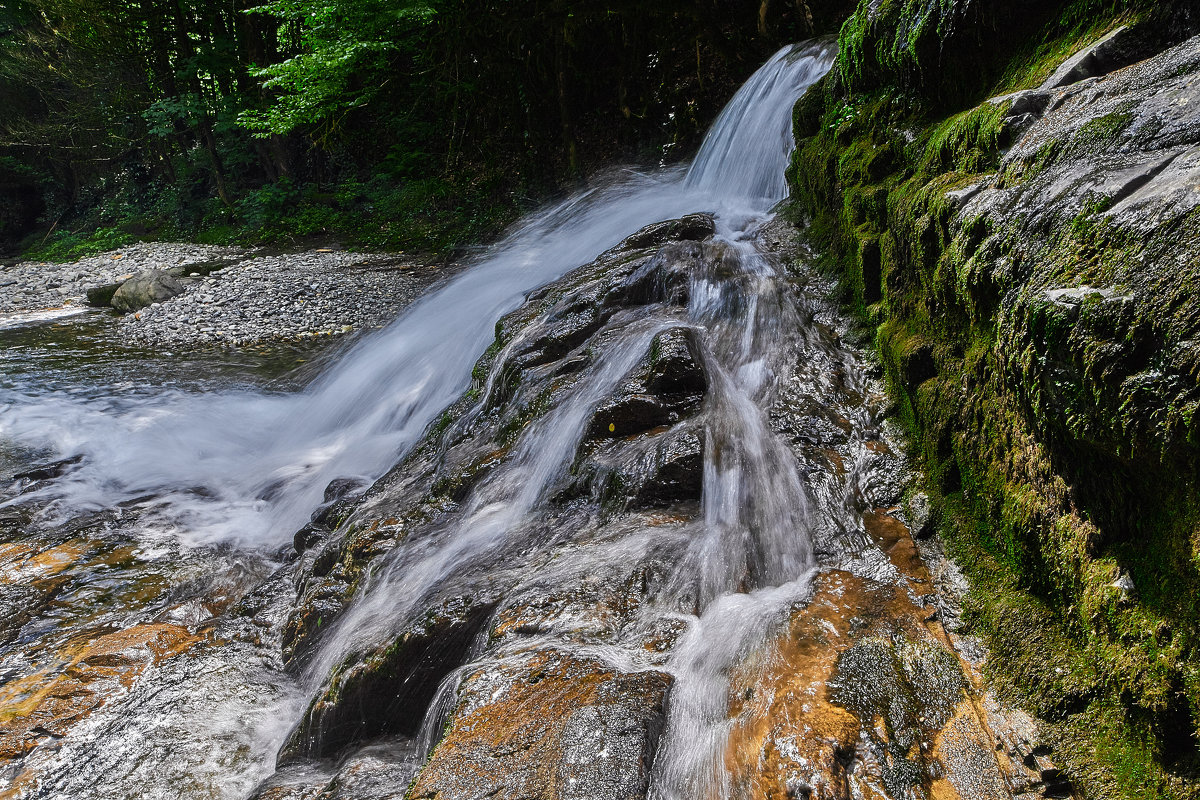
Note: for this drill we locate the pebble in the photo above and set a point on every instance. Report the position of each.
(251, 298)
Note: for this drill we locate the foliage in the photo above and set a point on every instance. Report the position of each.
(339, 41)
(259, 119)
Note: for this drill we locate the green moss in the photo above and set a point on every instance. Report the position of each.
(969, 142)
(1050, 480)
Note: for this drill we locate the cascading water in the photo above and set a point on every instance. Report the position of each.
(248, 468)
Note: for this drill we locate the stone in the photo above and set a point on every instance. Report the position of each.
(693, 227)
(144, 289)
(549, 724)
(38, 707)
(919, 514)
(1124, 586)
(385, 691)
(657, 470)
(1116, 49)
(665, 386)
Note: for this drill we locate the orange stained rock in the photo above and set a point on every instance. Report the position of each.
(894, 538)
(21, 562)
(836, 462)
(89, 675)
(786, 722)
(513, 738)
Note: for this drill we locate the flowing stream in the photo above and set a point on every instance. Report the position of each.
(237, 471)
(249, 467)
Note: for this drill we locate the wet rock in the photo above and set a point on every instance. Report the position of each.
(668, 384)
(47, 471)
(657, 470)
(549, 725)
(675, 365)
(37, 707)
(631, 412)
(378, 771)
(870, 702)
(674, 473)
(693, 227)
(338, 503)
(145, 288)
(909, 687)
(322, 599)
(386, 690)
(563, 332)
(919, 513)
(539, 714)
(309, 536)
(591, 599)
(665, 277)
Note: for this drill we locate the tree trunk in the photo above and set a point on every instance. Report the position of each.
(564, 106)
(218, 169)
(764, 8)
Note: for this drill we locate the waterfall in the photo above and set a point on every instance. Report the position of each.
(247, 468)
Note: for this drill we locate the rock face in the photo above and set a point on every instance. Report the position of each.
(145, 288)
(1031, 267)
(592, 736)
(943, 54)
(466, 651)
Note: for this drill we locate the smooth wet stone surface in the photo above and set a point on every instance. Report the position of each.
(865, 695)
(593, 734)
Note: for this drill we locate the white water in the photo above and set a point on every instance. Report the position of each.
(749, 556)
(249, 468)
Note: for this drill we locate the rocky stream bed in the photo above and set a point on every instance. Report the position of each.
(223, 295)
(549, 658)
(611, 515)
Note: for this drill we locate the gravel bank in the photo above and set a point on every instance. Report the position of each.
(247, 298)
(37, 285)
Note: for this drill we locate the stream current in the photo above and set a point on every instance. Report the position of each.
(185, 496)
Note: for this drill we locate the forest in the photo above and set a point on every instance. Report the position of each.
(421, 124)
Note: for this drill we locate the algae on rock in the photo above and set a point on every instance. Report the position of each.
(1029, 269)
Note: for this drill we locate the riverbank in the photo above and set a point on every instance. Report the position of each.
(1026, 267)
(231, 296)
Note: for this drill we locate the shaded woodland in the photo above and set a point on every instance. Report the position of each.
(413, 123)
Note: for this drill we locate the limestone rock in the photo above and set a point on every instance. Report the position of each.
(145, 288)
(666, 385)
(549, 725)
(386, 691)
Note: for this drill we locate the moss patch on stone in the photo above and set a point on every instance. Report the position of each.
(1061, 480)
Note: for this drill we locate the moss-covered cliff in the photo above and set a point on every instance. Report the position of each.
(1029, 269)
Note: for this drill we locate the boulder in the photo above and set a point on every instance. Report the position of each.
(652, 471)
(101, 296)
(387, 690)
(145, 288)
(693, 227)
(549, 725)
(667, 384)
(1119, 48)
